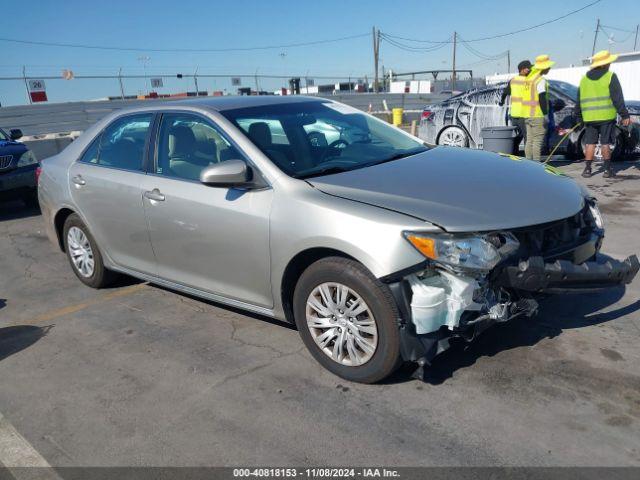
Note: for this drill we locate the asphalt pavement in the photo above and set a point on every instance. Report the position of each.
(138, 375)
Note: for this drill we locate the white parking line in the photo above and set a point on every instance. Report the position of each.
(16, 453)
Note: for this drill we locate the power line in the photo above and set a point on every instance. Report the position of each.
(501, 35)
(618, 29)
(479, 54)
(610, 37)
(177, 50)
(449, 40)
(411, 48)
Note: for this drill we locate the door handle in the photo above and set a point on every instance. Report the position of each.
(154, 195)
(78, 180)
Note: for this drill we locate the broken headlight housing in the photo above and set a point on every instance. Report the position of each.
(480, 252)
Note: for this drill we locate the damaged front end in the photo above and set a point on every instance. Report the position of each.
(470, 282)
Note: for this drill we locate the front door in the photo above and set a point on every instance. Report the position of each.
(212, 239)
(106, 186)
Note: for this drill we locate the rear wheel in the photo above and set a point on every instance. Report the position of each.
(84, 255)
(347, 320)
(453, 137)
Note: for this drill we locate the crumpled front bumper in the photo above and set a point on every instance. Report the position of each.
(563, 276)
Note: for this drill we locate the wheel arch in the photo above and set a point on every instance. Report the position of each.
(292, 272)
(58, 223)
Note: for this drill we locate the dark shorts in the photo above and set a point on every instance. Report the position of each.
(605, 131)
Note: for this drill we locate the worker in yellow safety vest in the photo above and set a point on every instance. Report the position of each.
(535, 107)
(600, 101)
(515, 88)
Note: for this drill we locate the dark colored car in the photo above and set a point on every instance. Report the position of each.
(18, 169)
(459, 120)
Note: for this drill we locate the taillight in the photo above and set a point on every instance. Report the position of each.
(38, 172)
(426, 114)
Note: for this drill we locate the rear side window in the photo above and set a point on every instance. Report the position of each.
(121, 144)
(91, 153)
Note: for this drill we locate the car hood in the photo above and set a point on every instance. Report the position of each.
(462, 190)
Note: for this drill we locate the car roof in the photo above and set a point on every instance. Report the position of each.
(244, 101)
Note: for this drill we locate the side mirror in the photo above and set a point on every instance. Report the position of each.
(558, 104)
(15, 133)
(231, 173)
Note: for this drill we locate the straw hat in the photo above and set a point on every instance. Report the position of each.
(603, 57)
(543, 62)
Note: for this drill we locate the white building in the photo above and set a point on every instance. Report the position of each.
(626, 67)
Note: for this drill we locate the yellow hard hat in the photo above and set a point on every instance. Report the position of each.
(543, 62)
(603, 57)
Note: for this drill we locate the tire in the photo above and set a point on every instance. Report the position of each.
(367, 365)
(453, 137)
(96, 277)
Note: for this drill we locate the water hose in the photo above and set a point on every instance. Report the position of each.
(562, 140)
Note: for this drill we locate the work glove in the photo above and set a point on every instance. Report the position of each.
(501, 104)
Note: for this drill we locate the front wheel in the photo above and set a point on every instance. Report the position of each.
(347, 320)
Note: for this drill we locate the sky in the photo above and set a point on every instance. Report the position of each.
(211, 24)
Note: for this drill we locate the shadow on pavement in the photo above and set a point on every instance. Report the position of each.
(557, 313)
(16, 338)
(16, 209)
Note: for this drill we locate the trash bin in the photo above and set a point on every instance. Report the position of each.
(397, 116)
(499, 139)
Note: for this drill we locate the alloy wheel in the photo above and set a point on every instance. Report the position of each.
(341, 324)
(80, 252)
(453, 137)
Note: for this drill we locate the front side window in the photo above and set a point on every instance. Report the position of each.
(187, 144)
(3, 136)
(122, 143)
(321, 137)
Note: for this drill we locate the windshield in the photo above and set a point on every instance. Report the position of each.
(567, 89)
(316, 138)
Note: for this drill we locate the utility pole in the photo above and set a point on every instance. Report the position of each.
(595, 38)
(195, 81)
(453, 75)
(635, 42)
(508, 61)
(26, 85)
(120, 80)
(376, 52)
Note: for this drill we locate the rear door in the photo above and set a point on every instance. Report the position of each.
(106, 186)
(212, 239)
(479, 110)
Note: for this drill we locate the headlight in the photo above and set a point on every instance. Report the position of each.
(27, 158)
(595, 213)
(476, 252)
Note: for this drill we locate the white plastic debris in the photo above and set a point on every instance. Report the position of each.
(440, 300)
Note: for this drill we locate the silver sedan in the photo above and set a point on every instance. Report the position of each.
(378, 247)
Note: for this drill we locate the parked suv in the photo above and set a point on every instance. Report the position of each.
(379, 248)
(18, 169)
